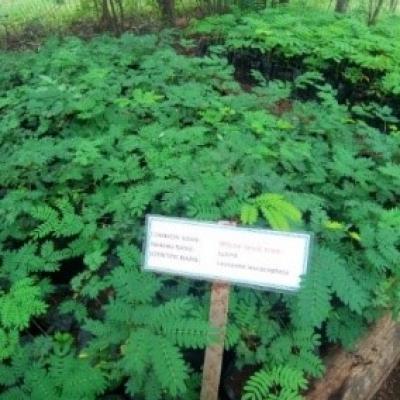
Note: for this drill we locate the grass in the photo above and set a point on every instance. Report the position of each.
(48, 12)
(58, 13)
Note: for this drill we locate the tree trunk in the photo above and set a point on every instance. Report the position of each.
(374, 9)
(342, 6)
(393, 5)
(115, 19)
(167, 8)
(274, 3)
(121, 13)
(105, 15)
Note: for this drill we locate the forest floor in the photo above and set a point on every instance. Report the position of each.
(390, 390)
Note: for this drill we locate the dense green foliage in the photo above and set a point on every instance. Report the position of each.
(96, 135)
(358, 60)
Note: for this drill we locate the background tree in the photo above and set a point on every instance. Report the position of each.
(277, 2)
(341, 6)
(167, 8)
(393, 5)
(374, 9)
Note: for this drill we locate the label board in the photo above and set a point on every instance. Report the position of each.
(256, 257)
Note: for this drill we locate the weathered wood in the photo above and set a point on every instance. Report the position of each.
(358, 375)
(214, 354)
(219, 304)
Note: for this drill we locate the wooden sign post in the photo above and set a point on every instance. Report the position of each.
(214, 354)
(224, 254)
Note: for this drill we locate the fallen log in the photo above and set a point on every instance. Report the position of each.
(358, 375)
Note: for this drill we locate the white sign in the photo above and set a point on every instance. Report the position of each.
(256, 257)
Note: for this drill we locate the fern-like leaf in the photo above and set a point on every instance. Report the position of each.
(20, 304)
(190, 333)
(314, 299)
(169, 367)
(264, 384)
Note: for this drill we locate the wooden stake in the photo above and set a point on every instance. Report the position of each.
(214, 354)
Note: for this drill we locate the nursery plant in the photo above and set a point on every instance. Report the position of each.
(95, 135)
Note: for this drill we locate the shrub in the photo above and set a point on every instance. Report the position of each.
(96, 135)
(359, 61)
